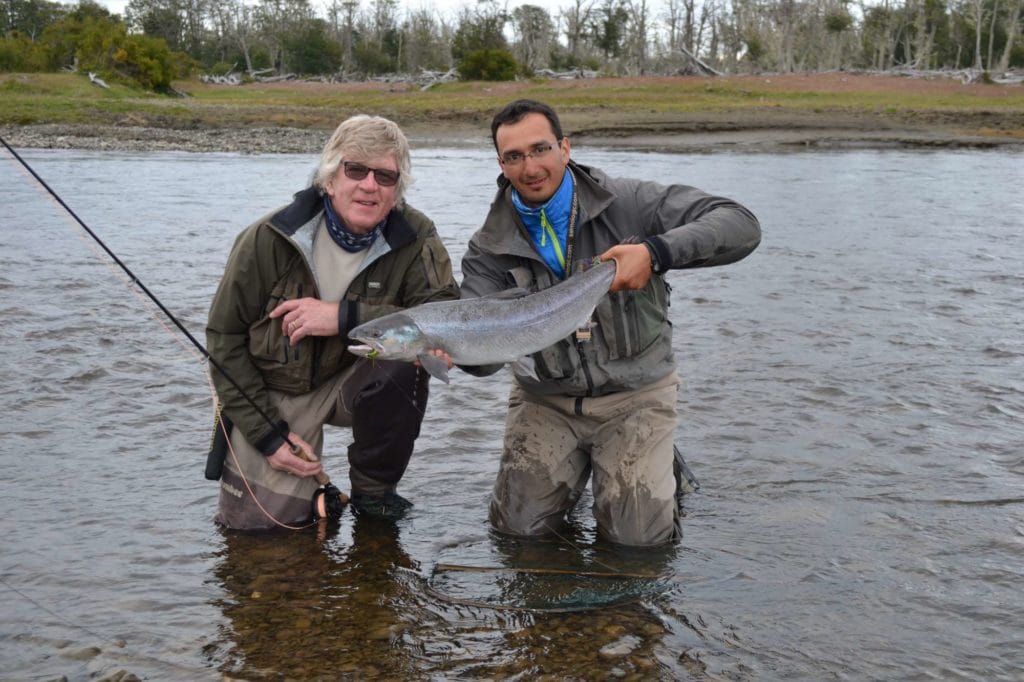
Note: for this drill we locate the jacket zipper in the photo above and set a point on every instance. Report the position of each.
(295, 353)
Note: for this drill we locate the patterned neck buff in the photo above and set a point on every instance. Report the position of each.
(350, 241)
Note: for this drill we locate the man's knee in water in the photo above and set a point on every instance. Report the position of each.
(650, 525)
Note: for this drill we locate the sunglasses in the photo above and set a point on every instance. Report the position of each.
(357, 171)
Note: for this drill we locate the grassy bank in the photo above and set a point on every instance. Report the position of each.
(600, 106)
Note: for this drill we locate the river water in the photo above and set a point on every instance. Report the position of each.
(852, 404)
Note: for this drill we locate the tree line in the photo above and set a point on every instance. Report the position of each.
(157, 41)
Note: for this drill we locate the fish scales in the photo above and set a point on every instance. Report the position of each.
(488, 330)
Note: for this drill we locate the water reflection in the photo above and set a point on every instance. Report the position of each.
(351, 601)
(555, 575)
(570, 606)
(314, 604)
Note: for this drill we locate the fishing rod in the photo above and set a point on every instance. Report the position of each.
(321, 478)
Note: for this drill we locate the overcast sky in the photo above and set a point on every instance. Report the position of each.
(448, 8)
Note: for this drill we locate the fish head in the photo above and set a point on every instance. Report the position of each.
(391, 337)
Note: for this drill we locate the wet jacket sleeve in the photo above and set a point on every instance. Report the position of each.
(689, 228)
(238, 302)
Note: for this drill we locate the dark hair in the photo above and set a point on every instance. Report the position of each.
(514, 113)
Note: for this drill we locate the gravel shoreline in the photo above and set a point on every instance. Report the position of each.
(282, 140)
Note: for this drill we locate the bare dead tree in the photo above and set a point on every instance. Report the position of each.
(638, 38)
(1012, 34)
(992, 33)
(979, 18)
(576, 18)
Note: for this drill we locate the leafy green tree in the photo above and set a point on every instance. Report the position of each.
(148, 62)
(158, 19)
(91, 39)
(18, 52)
(282, 22)
(64, 37)
(488, 65)
(608, 28)
(29, 17)
(755, 50)
(482, 29)
(370, 59)
(310, 51)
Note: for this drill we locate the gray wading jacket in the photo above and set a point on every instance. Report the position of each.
(632, 341)
(271, 262)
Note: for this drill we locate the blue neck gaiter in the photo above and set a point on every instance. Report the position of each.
(548, 225)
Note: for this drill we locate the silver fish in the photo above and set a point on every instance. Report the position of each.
(505, 327)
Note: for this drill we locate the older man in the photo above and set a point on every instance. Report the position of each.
(345, 250)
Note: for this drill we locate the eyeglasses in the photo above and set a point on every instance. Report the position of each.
(538, 152)
(357, 171)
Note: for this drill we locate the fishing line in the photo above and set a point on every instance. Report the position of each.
(89, 631)
(134, 282)
(137, 282)
(578, 548)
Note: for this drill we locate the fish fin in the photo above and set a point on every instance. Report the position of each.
(525, 367)
(515, 292)
(435, 366)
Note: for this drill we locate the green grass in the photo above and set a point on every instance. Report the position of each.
(69, 98)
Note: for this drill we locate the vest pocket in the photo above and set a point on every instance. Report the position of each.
(269, 347)
(630, 321)
(559, 361)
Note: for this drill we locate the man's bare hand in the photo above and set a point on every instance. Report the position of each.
(633, 266)
(302, 317)
(438, 353)
(285, 460)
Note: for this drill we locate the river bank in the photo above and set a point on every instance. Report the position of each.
(684, 114)
(309, 141)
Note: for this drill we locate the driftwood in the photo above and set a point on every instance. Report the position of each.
(277, 79)
(694, 67)
(428, 79)
(963, 75)
(573, 74)
(697, 67)
(96, 80)
(226, 79)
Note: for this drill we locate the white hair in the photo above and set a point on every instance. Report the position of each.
(361, 138)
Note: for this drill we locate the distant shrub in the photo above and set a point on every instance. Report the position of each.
(1017, 57)
(18, 53)
(838, 21)
(148, 62)
(102, 44)
(220, 68)
(488, 65)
